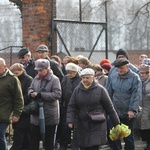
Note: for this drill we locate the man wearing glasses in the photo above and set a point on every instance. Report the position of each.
(27, 61)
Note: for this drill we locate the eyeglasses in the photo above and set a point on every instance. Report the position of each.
(23, 57)
(40, 52)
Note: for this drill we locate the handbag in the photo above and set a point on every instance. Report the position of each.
(96, 116)
(31, 108)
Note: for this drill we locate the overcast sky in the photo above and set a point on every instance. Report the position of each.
(11, 25)
(4, 2)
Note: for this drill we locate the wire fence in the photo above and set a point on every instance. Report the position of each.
(81, 38)
(10, 54)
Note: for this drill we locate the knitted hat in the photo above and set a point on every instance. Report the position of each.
(107, 66)
(72, 67)
(103, 61)
(87, 71)
(122, 52)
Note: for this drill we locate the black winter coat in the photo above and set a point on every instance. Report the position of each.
(57, 71)
(95, 98)
(25, 81)
(30, 68)
(68, 85)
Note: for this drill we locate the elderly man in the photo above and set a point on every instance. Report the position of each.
(11, 101)
(125, 90)
(90, 96)
(27, 61)
(42, 52)
(122, 54)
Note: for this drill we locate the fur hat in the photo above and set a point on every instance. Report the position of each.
(122, 52)
(72, 67)
(41, 64)
(144, 68)
(87, 71)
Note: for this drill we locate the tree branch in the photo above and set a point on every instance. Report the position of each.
(139, 11)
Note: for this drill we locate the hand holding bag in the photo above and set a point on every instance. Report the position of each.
(96, 116)
(32, 108)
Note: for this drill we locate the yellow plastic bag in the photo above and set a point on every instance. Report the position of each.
(120, 131)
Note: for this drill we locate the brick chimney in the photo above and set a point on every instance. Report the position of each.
(36, 23)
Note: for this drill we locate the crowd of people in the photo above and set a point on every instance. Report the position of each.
(68, 90)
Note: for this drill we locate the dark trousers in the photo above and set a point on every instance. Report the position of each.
(145, 135)
(65, 131)
(3, 143)
(36, 137)
(90, 148)
(18, 138)
(129, 141)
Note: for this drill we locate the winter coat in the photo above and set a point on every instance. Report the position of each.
(25, 80)
(56, 69)
(95, 98)
(29, 67)
(101, 79)
(145, 120)
(125, 92)
(11, 98)
(50, 96)
(68, 85)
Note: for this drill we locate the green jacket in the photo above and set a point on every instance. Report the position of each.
(11, 98)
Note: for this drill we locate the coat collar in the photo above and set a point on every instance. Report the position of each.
(48, 77)
(94, 85)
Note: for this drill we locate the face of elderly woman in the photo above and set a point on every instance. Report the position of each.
(43, 72)
(71, 74)
(144, 75)
(87, 79)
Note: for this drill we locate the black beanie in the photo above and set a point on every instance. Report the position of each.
(122, 52)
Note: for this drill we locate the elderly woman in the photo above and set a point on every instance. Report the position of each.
(90, 96)
(68, 84)
(99, 74)
(45, 86)
(21, 135)
(145, 120)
